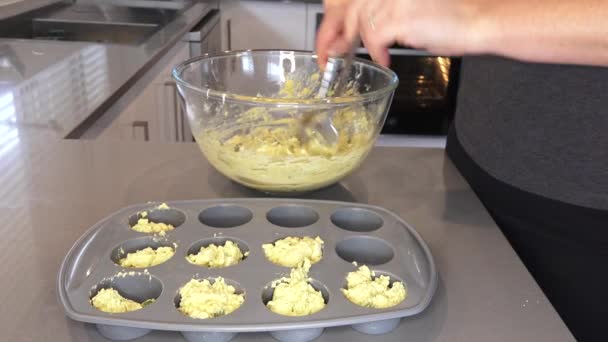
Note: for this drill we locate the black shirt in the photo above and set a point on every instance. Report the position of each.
(538, 127)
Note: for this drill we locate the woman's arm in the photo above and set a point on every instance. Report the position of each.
(552, 31)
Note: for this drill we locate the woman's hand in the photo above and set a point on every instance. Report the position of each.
(549, 31)
(443, 27)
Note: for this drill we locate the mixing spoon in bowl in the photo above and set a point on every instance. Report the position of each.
(335, 78)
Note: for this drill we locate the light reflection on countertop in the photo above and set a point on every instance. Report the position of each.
(60, 95)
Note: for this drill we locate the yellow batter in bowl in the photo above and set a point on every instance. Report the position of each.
(365, 289)
(267, 153)
(257, 115)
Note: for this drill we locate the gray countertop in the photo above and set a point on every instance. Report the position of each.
(59, 85)
(52, 190)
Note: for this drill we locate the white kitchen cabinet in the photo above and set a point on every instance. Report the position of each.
(151, 109)
(173, 125)
(314, 13)
(263, 25)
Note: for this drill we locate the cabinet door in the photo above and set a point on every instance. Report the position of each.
(263, 25)
(212, 43)
(173, 125)
(149, 111)
(127, 130)
(117, 130)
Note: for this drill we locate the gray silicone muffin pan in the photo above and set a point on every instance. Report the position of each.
(351, 232)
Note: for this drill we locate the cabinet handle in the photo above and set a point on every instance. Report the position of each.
(179, 112)
(229, 33)
(398, 52)
(144, 125)
(173, 85)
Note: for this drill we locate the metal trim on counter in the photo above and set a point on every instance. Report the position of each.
(157, 4)
(203, 27)
(109, 23)
(200, 37)
(407, 140)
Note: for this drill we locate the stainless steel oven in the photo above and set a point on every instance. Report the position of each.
(424, 103)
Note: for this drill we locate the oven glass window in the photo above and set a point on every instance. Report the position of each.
(425, 99)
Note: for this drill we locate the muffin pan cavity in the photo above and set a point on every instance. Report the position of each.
(140, 287)
(237, 287)
(137, 244)
(218, 241)
(136, 286)
(367, 250)
(357, 219)
(225, 216)
(268, 291)
(292, 216)
(351, 233)
(170, 216)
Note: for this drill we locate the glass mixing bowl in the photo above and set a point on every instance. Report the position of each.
(246, 111)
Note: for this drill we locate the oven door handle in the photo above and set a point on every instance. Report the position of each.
(400, 52)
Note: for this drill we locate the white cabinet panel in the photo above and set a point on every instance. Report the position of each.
(174, 126)
(150, 110)
(263, 25)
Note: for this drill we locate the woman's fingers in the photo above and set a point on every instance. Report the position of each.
(440, 26)
(351, 19)
(379, 54)
(339, 47)
(377, 32)
(329, 31)
(379, 23)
